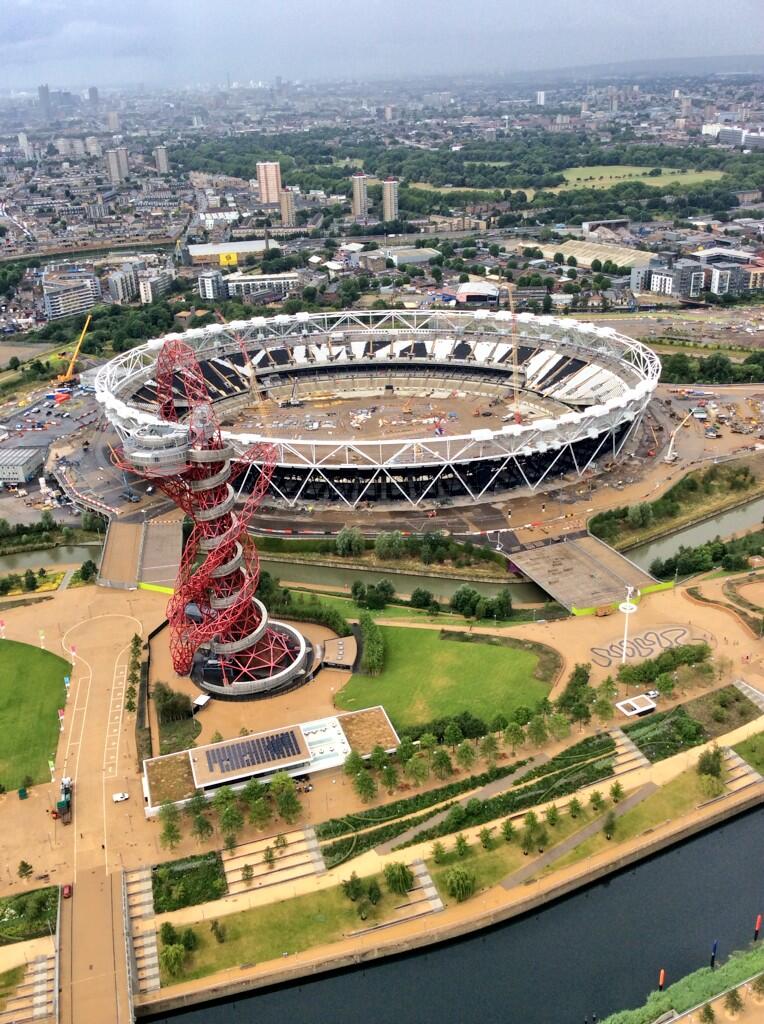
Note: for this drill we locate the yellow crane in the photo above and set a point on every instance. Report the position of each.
(68, 377)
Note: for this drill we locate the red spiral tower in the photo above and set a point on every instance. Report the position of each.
(219, 631)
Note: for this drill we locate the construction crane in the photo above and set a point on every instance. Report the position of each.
(68, 377)
(671, 455)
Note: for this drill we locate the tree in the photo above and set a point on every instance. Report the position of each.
(508, 830)
(453, 735)
(541, 839)
(349, 542)
(231, 820)
(417, 770)
(169, 820)
(552, 816)
(354, 764)
(514, 736)
(260, 813)
(427, 743)
(168, 933)
(558, 726)
(608, 826)
(616, 792)
(389, 546)
(373, 892)
(14, 363)
(398, 877)
(711, 762)
(733, 1002)
(438, 852)
(223, 798)
(489, 748)
(284, 792)
(365, 786)
(537, 732)
(441, 763)
(707, 1015)
(88, 570)
(247, 873)
(389, 777)
(603, 709)
(486, 838)
(172, 958)
(24, 869)
(420, 598)
(575, 807)
(460, 883)
(352, 887)
(378, 757)
(269, 857)
(201, 827)
(465, 755)
(461, 845)
(597, 801)
(30, 580)
(405, 750)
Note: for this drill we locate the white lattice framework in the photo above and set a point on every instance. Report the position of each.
(609, 394)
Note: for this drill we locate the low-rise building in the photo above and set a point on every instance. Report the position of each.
(409, 255)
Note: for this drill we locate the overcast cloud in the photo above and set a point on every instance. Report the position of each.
(74, 43)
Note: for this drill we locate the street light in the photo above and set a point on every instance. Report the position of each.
(628, 608)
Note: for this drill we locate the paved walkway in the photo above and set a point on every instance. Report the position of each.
(539, 863)
(490, 789)
(66, 579)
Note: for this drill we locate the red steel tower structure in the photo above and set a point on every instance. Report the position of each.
(220, 632)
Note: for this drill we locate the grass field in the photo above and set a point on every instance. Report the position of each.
(289, 926)
(595, 176)
(31, 691)
(605, 176)
(426, 677)
(676, 798)
(752, 751)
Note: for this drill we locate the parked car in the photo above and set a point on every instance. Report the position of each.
(67, 892)
(652, 694)
(119, 798)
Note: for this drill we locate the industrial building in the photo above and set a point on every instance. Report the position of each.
(225, 252)
(17, 465)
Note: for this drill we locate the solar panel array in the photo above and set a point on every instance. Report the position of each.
(243, 754)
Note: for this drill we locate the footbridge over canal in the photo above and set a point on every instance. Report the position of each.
(580, 572)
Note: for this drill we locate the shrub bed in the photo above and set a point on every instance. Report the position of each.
(666, 734)
(29, 915)
(186, 882)
(579, 753)
(398, 808)
(359, 842)
(478, 812)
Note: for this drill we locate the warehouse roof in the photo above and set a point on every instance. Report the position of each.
(18, 456)
(218, 248)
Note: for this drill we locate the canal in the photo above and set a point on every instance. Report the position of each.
(596, 951)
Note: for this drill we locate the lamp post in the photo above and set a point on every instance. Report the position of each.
(628, 608)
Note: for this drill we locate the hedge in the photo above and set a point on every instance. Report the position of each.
(592, 747)
(372, 644)
(695, 988)
(480, 811)
(648, 671)
(398, 808)
(359, 842)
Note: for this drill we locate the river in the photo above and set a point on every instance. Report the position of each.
(66, 554)
(596, 951)
(339, 578)
(723, 525)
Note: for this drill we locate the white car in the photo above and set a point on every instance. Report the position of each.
(119, 798)
(652, 694)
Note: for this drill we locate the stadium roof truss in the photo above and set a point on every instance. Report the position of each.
(605, 397)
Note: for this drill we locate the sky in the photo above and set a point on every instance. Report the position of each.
(76, 43)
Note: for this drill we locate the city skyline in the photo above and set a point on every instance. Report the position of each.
(80, 43)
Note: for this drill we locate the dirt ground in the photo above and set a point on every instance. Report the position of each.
(753, 592)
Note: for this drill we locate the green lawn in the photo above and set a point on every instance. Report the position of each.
(752, 751)
(9, 982)
(671, 801)
(180, 735)
(289, 926)
(490, 866)
(31, 691)
(607, 175)
(427, 677)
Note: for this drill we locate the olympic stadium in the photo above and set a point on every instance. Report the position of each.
(390, 407)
